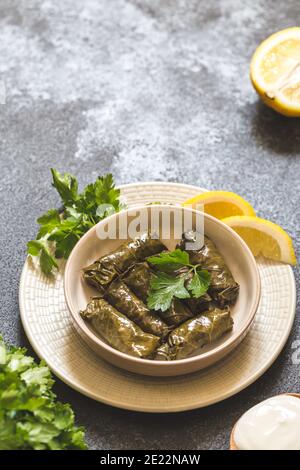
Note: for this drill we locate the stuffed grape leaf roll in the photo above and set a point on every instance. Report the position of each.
(124, 300)
(119, 332)
(223, 288)
(195, 333)
(138, 279)
(199, 304)
(104, 270)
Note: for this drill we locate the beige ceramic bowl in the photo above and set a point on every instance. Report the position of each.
(236, 254)
(233, 445)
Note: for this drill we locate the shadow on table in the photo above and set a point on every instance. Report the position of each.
(24, 342)
(276, 132)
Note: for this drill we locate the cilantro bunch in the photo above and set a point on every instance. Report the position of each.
(175, 277)
(30, 416)
(60, 230)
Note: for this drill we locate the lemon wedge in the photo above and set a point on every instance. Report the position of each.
(275, 71)
(264, 238)
(221, 204)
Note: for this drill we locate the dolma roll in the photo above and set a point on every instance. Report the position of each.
(124, 300)
(119, 332)
(199, 304)
(195, 333)
(176, 314)
(104, 270)
(223, 288)
(138, 279)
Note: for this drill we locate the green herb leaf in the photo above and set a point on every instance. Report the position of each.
(170, 260)
(34, 247)
(66, 186)
(30, 415)
(47, 261)
(199, 283)
(80, 213)
(50, 218)
(105, 210)
(105, 191)
(48, 222)
(39, 248)
(66, 245)
(163, 288)
(99, 197)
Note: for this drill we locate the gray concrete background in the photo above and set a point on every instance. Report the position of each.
(149, 90)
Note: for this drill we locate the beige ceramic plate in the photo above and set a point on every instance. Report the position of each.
(49, 328)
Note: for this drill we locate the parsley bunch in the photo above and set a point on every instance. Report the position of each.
(30, 416)
(60, 230)
(176, 277)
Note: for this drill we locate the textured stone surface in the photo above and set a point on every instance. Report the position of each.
(149, 90)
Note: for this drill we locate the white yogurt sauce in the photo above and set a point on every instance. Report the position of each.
(273, 424)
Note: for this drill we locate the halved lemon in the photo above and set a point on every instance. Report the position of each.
(264, 238)
(221, 204)
(275, 71)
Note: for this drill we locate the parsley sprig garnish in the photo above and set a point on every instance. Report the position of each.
(60, 230)
(175, 277)
(30, 415)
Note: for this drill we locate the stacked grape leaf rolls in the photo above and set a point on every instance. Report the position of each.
(120, 314)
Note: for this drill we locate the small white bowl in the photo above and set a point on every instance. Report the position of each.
(233, 445)
(236, 254)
